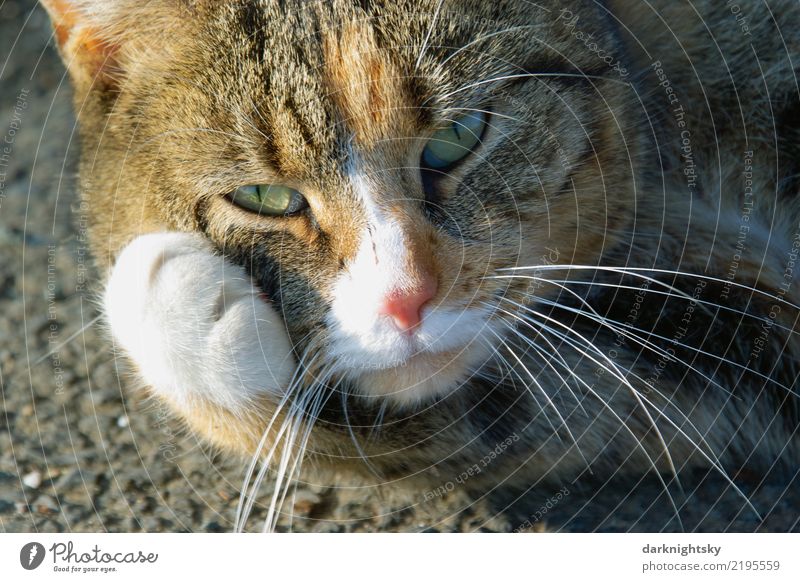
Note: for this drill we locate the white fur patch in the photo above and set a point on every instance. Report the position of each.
(194, 324)
(362, 339)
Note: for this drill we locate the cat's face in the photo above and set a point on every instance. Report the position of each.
(415, 148)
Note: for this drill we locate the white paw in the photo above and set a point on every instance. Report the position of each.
(194, 324)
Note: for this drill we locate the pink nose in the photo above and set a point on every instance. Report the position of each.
(404, 306)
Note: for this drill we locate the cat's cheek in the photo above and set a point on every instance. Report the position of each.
(196, 328)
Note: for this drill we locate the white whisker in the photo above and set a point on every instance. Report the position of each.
(428, 35)
(534, 76)
(245, 505)
(614, 370)
(636, 271)
(484, 37)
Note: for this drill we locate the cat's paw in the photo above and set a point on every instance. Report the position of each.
(194, 324)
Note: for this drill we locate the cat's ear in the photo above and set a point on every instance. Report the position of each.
(85, 41)
(100, 40)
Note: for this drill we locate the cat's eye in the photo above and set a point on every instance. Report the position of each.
(454, 142)
(269, 199)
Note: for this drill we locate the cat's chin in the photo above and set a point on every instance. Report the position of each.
(422, 377)
(410, 369)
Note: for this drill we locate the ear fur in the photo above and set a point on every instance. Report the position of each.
(100, 40)
(87, 50)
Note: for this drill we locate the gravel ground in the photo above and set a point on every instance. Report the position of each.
(81, 450)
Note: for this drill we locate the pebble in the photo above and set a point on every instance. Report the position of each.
(305, 501)
(32, 479)
(46, 505)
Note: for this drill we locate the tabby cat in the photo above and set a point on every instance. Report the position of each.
(399, 242)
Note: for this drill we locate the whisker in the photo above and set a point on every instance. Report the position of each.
(531, 75)
(484, 37)
(318, 394)
(710, 456)
(487, 112)
(607, 406)
(378, 424)
(623, 331)
(544, 393)
(512, 371)
(284, 476)
(296, 412)
(533, 396)
(627, 330)
(635, 393)
(356, 444)
(428, 35)
(636, 270)
(245, 504)
(672, 288)
(697, 300)
(560, 359)
(319, 401)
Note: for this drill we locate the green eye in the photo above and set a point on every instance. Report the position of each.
(269, 199)
(454, 143)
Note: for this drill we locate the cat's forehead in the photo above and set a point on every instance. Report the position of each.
(370, 92)
(316, 79)
(341, 73)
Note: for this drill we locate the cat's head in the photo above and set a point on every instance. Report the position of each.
(373, 165)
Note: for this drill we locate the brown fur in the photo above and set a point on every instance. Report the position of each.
(243, 93)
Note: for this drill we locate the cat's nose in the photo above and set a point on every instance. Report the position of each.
(404, 306)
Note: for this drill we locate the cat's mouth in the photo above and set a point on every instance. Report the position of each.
(422, 377)
(412, 366)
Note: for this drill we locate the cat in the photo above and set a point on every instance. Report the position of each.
(426, 242)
